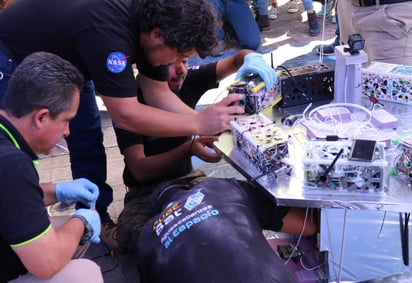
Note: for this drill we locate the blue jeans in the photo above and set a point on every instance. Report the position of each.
(337, 32)
(238, 16)
(86, 149)
(85, 142)
(7, 66)
(261, 6)
(307, 5)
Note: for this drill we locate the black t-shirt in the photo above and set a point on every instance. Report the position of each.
(23, 215)
(198, 81)
(100, 37)
(211, 233)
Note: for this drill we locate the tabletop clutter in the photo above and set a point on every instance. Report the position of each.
(346, 144)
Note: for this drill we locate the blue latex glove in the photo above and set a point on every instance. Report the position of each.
(254, 63)
(93, 218)
(79, 190)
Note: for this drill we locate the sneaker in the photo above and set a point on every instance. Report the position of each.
(329, 8)
(263, 22)
(313, 24)
(273, 13)
(108, 235)
(326, 50)
(293, 7)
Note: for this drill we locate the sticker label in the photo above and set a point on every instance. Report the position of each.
(116, 62)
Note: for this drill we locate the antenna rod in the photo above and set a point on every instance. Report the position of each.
(324, 177)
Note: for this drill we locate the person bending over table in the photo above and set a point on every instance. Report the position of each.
(150, 160)
(42, 97)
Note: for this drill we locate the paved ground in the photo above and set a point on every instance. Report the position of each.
(291, 45)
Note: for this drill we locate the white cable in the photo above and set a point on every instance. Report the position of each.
(360, 120)
(345, 211)
(330, 241)
(345, 85)
(299, 238)
(330, 105)
(323, 33)
(223, 91)
(309, 268)
(306, 109)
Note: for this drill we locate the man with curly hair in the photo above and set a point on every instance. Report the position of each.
(103, 39)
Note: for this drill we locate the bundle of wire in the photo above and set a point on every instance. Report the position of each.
(345, 120)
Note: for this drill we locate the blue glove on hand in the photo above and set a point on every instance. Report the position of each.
(254, 63)
(93, 221)
(79, 190)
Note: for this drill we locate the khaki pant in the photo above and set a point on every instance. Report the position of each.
(79, 270)
(387, 30)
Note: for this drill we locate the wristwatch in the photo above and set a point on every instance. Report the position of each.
(88, 229)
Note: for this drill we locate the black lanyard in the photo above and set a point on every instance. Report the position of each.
(13, 139)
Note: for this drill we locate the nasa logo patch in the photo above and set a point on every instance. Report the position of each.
(116, 62)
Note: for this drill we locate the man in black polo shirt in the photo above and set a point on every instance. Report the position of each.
(43, 96)
(103, 38)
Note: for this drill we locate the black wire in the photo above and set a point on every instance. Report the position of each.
(105, 255)
(405, 237)
(287, 71)
(111, 269)
(101, 256)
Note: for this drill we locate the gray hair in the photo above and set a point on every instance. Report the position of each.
(42, 80)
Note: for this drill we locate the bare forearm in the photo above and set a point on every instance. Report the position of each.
(56, 248)
(130, 115)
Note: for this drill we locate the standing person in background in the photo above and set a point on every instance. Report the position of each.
(104, 38)
(235, 17)
(328, 50)
(273, 10)
(293, 6)
(312, 17)
(310, 12)
(344, 12)
(151, 160)
(327, 8)
(386, 26)
(261, 14)
(42, 97)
